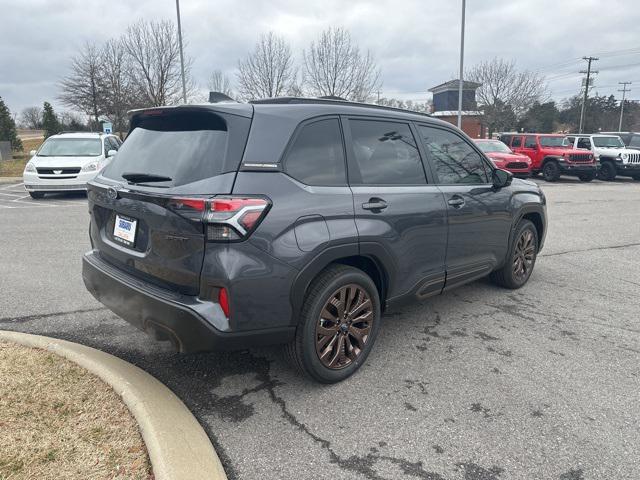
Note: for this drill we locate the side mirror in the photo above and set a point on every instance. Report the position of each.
(32, 153)
(501, 178)
(111, 153)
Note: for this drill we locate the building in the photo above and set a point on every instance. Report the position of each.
(445, 106)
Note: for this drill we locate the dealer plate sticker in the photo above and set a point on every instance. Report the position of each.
(124, 230)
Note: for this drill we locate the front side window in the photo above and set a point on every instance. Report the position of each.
(455, 161)
(71, 147)
(517, 142)
(385, 153)
(316, 156)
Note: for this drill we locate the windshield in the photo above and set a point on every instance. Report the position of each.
(71, 147)
(608, 142)
(495, 146)
(554, 142)
(182, 147)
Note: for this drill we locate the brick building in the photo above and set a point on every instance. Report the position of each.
(445, 106)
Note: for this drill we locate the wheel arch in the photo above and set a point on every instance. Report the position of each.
(535, 215)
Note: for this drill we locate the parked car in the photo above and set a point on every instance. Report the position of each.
(298, 221)
(551, 155)
(67, 161)
(502, 157)
(614, 157)
(630, 139)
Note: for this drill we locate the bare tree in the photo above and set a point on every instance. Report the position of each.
(219, 82)
(117, 78)
(155, 58)
(82, 89)
(268, 71)
(31, 117)
(335, 66)
(504, 87)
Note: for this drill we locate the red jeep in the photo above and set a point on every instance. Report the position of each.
(551, 155)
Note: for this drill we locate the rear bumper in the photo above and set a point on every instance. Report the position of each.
(167, 315)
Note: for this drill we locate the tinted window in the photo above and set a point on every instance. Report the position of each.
(530, 142)
(584, 143)
(71, 147)
(316, 156)
(185, 146)
(454, 159)
(517, 142)
(386, 153)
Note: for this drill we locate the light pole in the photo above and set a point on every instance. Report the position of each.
(184, 83)
(461, 80)
(624, 92)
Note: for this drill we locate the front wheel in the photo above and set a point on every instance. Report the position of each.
(607, 172)
(339, 323)
(551, 171)
(521, 258)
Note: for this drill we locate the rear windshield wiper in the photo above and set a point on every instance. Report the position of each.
(145, 177)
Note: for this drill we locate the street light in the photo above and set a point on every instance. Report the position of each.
(461, 66)
(184, 83)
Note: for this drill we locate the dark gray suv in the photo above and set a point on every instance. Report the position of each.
(298, 221)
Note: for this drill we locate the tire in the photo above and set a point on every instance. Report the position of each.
(305, 351)
(586, 177)
(525, 236)
(36, 195)
(534, 174)
(551, 171)
(607, 172)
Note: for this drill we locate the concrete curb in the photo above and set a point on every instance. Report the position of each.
(178, 446)
(9, 180)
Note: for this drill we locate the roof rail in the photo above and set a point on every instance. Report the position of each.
(329, 101)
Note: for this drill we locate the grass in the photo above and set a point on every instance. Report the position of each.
(59, 421)
(15, 167)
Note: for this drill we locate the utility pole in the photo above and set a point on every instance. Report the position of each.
(461, 65)
(184, 83)
(624, 91)
(378, 92)
(586, 88)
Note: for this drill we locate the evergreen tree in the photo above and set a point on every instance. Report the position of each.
(50, 122)
(8, 127)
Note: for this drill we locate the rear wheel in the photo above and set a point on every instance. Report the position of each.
(339, 323)
(586, 177)
(521, 258)
(36, 195)
(607, 172)
(551, 171)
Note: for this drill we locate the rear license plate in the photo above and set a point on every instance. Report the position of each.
(124, 230)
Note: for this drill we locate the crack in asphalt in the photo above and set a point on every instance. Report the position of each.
(40, 316)
(612, 247)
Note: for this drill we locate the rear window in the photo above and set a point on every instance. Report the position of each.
(186, 146)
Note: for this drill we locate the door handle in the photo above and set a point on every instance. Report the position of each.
(456, 201)
(374, 204)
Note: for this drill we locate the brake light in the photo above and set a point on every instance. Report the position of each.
(234, 218)
(190, 208)
(223, 301)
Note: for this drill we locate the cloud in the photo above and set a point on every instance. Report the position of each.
(416, 42)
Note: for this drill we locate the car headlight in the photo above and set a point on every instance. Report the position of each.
(91, 167)
(30, 167)
(624, 157)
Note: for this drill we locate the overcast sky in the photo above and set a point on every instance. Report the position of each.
(415, 42)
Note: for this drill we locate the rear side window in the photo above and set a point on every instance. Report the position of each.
(455, 161)
(186, 146)
(316, 156)
(385, 154)
(530, 142)
(584, 143)
(517, 142)
(635, 141)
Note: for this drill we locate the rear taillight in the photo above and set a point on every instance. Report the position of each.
(234, 218)
(228, 218)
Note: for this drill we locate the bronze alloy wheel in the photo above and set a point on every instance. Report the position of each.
(344, 326)
(524, 255)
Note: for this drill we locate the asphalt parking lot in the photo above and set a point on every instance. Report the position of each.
(477, 384)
